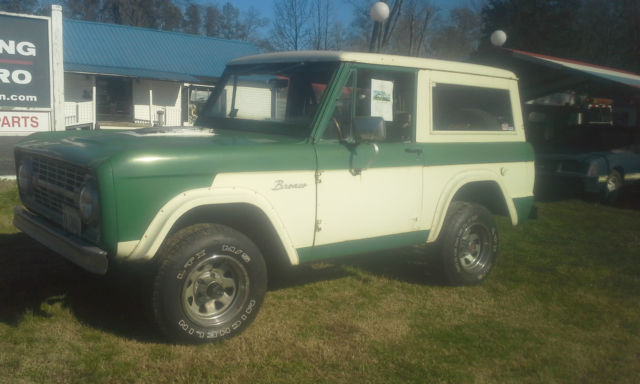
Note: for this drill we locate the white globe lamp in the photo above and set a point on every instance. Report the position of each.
(498, 38)
(379, 11)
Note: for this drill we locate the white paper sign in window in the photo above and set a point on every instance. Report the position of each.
(382, 99)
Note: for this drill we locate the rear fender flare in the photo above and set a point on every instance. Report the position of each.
(454, 185)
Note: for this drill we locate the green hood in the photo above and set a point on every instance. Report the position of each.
(139, 171)
(181, 145)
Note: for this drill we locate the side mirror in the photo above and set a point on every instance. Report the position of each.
(369, 129)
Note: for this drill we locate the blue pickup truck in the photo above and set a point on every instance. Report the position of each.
(595, 159)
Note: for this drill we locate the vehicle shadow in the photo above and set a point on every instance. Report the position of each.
(629, 197)
(282, 277)
(119, 303)
(412, 265)
(31, 275)
(415, 265)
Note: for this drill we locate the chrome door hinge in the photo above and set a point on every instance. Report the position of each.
(318, 179)
(318, 228)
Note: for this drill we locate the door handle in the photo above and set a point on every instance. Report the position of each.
(417, 151)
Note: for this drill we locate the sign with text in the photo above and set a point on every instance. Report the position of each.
(25, 75)
(20, 122)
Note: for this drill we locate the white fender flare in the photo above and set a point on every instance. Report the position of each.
(454, 185)
(171, 212)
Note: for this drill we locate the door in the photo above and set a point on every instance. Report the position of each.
(369, 192)
(114, 99)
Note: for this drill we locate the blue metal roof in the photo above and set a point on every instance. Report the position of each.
(113, 49)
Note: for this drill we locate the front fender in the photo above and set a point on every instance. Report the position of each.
(172, 211)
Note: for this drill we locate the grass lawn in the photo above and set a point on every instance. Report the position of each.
(562, 306)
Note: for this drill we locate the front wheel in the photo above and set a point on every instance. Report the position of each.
(468, 245)
(210, 284)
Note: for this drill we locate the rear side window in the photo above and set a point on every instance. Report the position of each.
(466, 108)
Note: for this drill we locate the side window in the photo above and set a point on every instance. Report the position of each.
(466, 108)
(389, 95)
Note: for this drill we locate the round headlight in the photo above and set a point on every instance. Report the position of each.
(88, 201)
(25, 175)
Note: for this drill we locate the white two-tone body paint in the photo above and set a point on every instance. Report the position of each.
(286, 198)
(378, 202)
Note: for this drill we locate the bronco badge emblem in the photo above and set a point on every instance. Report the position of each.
(279, 185)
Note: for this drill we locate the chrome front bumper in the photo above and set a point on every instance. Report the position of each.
(87, 256)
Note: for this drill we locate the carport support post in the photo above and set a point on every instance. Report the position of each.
(57, 65)
(180, 105)
(150, 105)
(95, 104)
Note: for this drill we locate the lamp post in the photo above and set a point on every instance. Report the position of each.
(379, 13)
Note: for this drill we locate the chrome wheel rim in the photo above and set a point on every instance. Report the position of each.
(612, 183)
(215, 290)
(474, 249)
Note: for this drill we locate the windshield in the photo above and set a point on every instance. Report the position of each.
(270, 98)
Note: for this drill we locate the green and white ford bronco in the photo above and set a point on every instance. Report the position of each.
(296, 157)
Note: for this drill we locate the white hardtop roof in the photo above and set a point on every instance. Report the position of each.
(374, 58)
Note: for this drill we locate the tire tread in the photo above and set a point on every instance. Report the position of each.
(167, 255)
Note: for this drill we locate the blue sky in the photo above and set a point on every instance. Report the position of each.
(265, 7)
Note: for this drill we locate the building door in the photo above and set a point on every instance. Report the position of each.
(198, 97)
(114, 99)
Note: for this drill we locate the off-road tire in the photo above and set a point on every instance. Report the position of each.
(209, 286)
(468, 244)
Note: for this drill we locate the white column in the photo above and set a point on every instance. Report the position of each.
(150, 105)
(57, 63)
(180, 104)
(94, 101)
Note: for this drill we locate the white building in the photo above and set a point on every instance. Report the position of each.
(119, 76)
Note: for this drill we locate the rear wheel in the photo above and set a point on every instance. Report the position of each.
(468, 244)
(210, 284)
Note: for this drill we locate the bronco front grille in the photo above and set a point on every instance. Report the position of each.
(56, 184)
